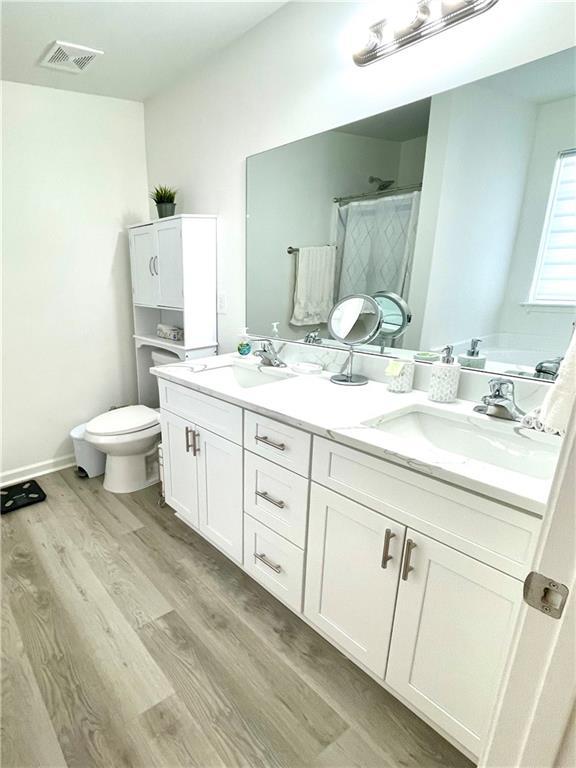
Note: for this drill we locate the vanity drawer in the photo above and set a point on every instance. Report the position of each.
(277, 497)
(278, 442)
(276, 563)
(215, 415)
(494, 533)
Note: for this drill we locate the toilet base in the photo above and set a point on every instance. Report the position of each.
(126, 474)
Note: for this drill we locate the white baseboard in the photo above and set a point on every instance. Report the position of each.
(35, 470)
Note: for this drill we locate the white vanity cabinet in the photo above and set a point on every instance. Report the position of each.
(449, 615)
(417, 580)
(180, 467)
(202, 469)
(452, 629)
(353, 567)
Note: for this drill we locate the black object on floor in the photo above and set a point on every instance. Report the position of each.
(21, 495)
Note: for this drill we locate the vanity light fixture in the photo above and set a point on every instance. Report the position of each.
(409, 21)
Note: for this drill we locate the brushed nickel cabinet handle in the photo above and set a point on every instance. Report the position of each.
(155, 264)
(270, 443)
(188, 433)
(263, 559)
(195, 446)
(386, 556)
(410, 545)
(150, 265)
(266, 496)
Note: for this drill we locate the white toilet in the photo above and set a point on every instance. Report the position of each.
(129, 437)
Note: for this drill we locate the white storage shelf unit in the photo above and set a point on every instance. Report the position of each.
(173, 266)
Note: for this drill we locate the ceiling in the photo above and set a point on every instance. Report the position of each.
(147, 45)
(400, 124)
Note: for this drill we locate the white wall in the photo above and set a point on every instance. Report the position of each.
(290, 202)
(554, 133)
(412, 159)
(74, 175)
(476, 202)
(292, 76)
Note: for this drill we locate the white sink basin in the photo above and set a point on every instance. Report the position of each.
(432, 434)
(243, 376)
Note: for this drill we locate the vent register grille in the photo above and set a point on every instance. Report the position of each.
(69, 57)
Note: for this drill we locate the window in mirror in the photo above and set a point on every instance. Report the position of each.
(555, 275)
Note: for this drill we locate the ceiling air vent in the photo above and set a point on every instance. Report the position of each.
(69, 57)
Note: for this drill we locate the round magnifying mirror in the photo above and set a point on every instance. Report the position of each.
(354, 320)
(396, 315)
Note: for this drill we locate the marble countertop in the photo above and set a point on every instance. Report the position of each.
(311, 402)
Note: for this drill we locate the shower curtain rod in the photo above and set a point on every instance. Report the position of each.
(373, 195)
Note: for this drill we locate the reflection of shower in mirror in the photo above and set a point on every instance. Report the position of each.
(382, 183)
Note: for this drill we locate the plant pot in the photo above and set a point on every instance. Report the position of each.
(165, 209)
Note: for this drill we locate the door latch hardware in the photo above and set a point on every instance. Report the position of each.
(545, 594)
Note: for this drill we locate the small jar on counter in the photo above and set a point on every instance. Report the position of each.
(401, 375)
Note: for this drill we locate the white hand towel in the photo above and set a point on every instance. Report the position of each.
(560, 397)
(314, 292)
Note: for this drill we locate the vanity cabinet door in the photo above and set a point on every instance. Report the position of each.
(180, 475)
(220, 492)
(168, 265)
(142, 262)
(353, 567)
(453, 625)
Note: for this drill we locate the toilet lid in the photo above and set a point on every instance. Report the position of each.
(122, 421)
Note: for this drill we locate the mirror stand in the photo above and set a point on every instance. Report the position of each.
(349, 378)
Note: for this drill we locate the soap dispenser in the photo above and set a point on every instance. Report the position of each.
(473, 358)
(444, 379)
(244, 347)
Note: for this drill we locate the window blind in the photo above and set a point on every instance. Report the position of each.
(555, 275)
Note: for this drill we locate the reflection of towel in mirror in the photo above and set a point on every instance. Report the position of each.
(314, 292)
(560, 397)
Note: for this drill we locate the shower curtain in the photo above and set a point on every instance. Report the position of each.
(375, 240)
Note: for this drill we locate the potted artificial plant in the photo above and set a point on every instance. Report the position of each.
(164, 198)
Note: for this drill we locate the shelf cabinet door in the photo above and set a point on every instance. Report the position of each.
(453, 626)
(180, 467)
(220, 492)
(142, 262)
(169, 263)
(350, 596)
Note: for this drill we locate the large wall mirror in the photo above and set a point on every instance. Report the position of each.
(463, 205)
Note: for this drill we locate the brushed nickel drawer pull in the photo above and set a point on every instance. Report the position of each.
(263, 559)
(266, 496)
(192, 445)
(188, 433)
(155, 264)
(150, 265)
(410, 545)
(270, 443)
(386, 556)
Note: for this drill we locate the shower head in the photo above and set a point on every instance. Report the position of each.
(382, 183)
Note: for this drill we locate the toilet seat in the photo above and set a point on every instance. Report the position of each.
(123, 421)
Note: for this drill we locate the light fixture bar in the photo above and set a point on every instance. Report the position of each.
(430, 18)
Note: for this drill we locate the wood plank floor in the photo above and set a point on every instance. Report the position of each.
(127, 640)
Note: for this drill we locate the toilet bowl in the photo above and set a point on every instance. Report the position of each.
(129, 437)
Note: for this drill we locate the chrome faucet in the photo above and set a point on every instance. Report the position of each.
(501, 403)
(548, 369)
(268, 354)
